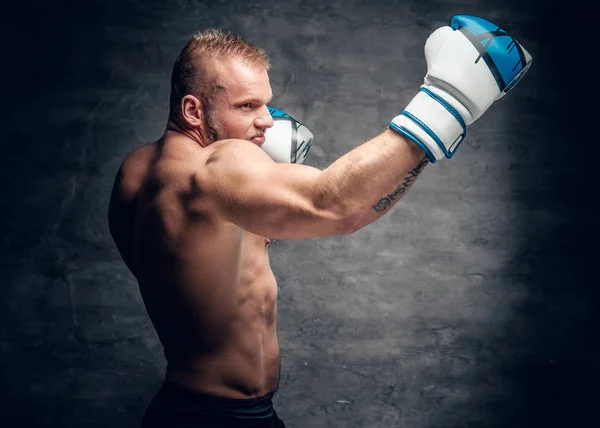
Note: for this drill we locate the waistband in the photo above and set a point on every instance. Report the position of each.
(243, 407)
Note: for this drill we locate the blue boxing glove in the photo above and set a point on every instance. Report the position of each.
(470, 64)
(288, 141)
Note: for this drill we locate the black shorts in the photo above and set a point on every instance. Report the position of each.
(176, 407)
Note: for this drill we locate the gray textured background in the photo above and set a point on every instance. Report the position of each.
(471, 304)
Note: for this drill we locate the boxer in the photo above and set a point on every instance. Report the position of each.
(193, 212)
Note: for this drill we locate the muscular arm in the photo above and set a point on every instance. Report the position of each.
(288, 201)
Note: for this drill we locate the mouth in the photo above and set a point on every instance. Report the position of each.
(258, 139)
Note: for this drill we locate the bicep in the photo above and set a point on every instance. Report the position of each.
(282, 201)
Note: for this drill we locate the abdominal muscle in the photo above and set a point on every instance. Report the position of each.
(211, 296)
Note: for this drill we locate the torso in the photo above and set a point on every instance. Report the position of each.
(207, 284)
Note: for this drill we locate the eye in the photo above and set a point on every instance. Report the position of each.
(246, 105)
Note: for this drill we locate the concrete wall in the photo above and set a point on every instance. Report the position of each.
(471, 304)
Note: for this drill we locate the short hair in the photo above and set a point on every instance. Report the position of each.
(191, 71)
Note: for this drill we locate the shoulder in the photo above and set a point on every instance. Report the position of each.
(139, 158)
(240, 152)
(134, 168)
(228, 164)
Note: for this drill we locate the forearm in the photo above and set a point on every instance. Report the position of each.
(369, 180)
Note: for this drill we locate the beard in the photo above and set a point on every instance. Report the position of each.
(217, 132)
(214, 130)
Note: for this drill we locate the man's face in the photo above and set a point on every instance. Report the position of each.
(239, 107)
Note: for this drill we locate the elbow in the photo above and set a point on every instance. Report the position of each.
(354, 221)
(349, 225)
(351, 219)
(344, 217)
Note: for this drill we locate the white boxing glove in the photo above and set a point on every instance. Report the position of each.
(470, 64)
(288, 141)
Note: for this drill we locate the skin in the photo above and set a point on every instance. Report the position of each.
(192, 220)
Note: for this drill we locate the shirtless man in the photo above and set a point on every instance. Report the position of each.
(192, 214)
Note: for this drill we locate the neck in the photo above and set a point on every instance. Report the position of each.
(194, 134)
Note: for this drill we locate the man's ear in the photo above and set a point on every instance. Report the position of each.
(192, 111)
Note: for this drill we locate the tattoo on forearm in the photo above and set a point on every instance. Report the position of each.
(386, 201)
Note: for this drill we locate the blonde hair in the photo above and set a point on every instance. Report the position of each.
(192, 69)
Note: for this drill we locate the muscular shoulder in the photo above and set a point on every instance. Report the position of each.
(234, 158)
(225, 166)
(134, 169)
(234, 149)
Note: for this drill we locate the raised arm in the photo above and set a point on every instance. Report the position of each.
(464, 78)
(289, 201)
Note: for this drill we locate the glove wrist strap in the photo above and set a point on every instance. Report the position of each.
(433, 123)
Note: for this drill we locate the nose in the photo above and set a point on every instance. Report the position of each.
(264, 120)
